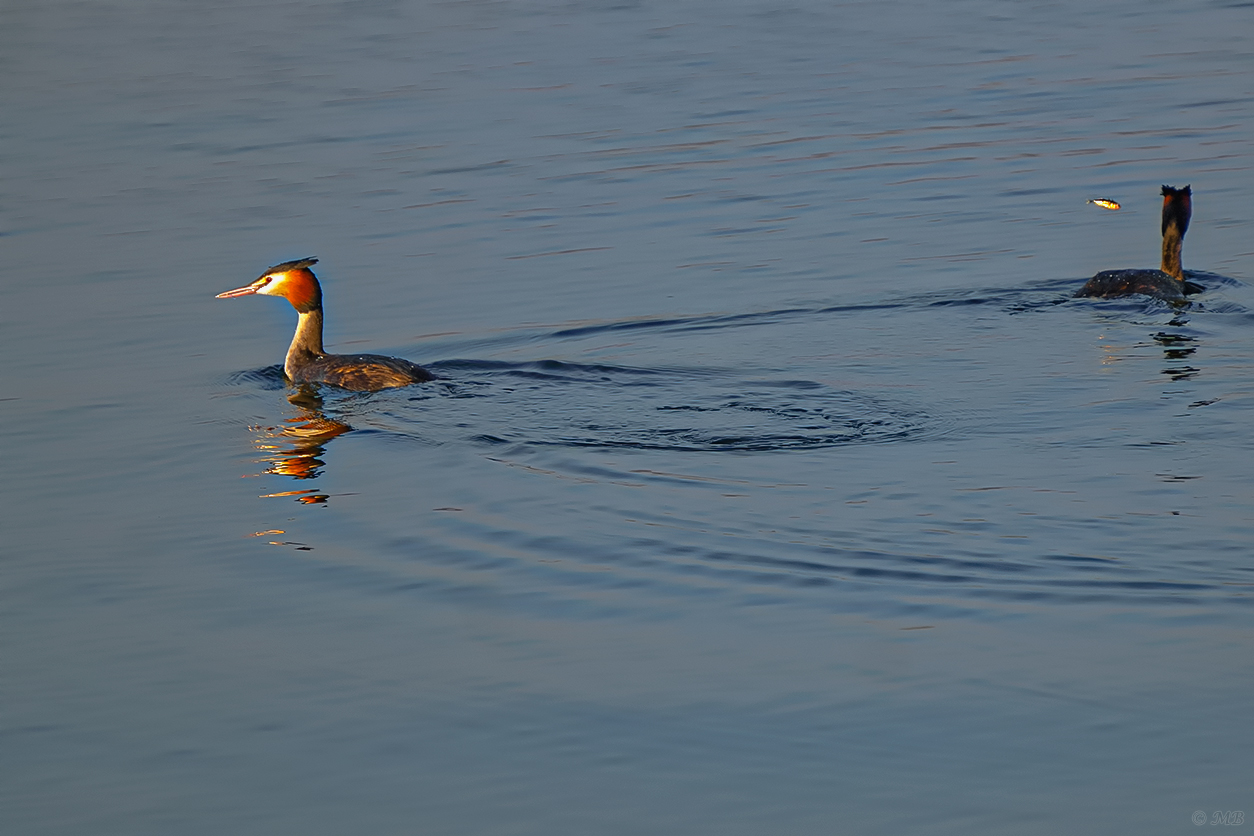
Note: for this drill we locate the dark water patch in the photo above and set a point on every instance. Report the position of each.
(551, 370)
(1211, 280)
(683, 323)
(1042, 294)
(1028, 192)
(471, 168)
(1012, 298)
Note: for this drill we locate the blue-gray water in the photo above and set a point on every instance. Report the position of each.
(774, 484)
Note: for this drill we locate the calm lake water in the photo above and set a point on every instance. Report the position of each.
(774, 483)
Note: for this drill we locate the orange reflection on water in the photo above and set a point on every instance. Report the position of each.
(294, 449)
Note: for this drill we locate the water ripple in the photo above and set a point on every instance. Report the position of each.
(560, 404)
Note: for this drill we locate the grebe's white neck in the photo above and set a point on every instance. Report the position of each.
(306, 343)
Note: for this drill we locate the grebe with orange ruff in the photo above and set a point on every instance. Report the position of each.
(306, 361)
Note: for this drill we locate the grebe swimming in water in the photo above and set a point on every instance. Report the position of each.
(1167, 283)
(306, 361)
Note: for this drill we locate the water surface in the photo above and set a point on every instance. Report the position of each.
(773, 482)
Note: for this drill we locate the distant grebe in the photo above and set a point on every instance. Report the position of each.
(1167, 283)
(306, 361)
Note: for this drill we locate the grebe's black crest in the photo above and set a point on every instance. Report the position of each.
(1168, 282)
(291, 265)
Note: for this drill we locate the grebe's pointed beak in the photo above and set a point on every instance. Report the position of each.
(247, 290)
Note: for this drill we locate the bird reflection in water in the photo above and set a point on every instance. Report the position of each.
(295, 447)
(1177, 348)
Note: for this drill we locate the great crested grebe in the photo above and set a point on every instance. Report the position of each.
(1166, 283)
(306, 361)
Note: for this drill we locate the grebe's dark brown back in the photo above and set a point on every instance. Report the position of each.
(1166, 283)
(306, 361)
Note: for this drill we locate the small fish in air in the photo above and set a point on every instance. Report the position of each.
(1105, 203)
